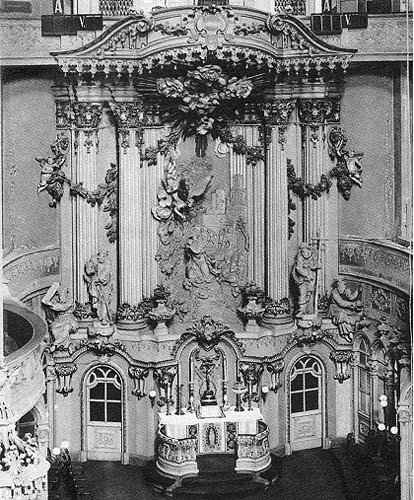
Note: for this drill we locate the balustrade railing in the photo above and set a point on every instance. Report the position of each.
(177, 451)
(254, 446)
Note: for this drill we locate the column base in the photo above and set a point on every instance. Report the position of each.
(282, 319)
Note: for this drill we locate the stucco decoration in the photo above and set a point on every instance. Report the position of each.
(343, 360)
(62, 321)
(53, 178)
(345, 309)
(304, 274)
(64, 372)
(203, 238)
(99, 280)
(187, 35)
(208, 332)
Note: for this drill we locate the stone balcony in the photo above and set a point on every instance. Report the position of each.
(387, 37)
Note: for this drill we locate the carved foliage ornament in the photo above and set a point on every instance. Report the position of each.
(275, 369)
(64, 372)
(343, 361)
(139, 376)
(199, 102)
(208, 332)
(53, 180)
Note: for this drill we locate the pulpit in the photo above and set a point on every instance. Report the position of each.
(212, 430)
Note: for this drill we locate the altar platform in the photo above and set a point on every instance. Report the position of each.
(182, 438)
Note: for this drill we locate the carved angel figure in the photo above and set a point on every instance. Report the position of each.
(304, 275)
(354, 166)
(64, 323)
(98, 277)
(345, 309)
(48, 166)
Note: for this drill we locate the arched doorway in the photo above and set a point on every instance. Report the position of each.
(306, 404)
(104, 402)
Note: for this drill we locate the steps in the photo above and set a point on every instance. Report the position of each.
(216, 479)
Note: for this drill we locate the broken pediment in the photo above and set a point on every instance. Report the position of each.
(244, 39)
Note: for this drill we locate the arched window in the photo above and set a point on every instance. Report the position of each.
(26, 424)
(305, 385)
(104, 395)
(364, 388)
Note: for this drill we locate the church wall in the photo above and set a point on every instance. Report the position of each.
(28, 130)
(367, 118)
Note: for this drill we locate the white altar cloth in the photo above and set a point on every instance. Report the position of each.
(178, 427)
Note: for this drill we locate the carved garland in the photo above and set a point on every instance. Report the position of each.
(347, 172)
(53, 180)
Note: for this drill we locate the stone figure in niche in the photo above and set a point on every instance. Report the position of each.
(58, 301)
(304, 274)
(345, 309)
(98, 277)
(201, 268)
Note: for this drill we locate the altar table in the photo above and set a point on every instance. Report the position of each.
(183, 437)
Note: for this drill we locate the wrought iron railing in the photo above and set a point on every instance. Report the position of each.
(115, 7)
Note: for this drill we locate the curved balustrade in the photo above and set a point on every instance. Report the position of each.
(253, 450)
(176, 457)
(23, 472)
(23, 375)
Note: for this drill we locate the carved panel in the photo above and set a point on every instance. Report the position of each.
(32, 267)
(375, 261)
(304, 428)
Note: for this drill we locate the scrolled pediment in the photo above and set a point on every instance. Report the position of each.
(188, 36)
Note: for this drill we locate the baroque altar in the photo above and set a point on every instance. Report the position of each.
(183, 437)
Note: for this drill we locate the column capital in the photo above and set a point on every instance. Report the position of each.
(128, 114)
(86, 115)
(278, 112)
(319, 111)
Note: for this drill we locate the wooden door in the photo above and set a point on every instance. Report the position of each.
(104, 424)
(306, 404)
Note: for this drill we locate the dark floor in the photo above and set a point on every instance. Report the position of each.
(306, 475)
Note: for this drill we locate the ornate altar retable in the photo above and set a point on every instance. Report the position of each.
(183, 437)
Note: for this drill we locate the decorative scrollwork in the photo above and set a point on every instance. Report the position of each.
(138, 375)
(343, 361)
(208, 332)
(64, 372)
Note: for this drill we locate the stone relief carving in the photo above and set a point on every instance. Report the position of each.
(381, 299)
(99, 280)
(345, 309)
(64, 323)
(275, 369)
(203, 238)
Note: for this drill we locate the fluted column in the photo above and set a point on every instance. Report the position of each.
(138, 185)
(85, 233)
(320, 215)
(251, 179)
(276, 222)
